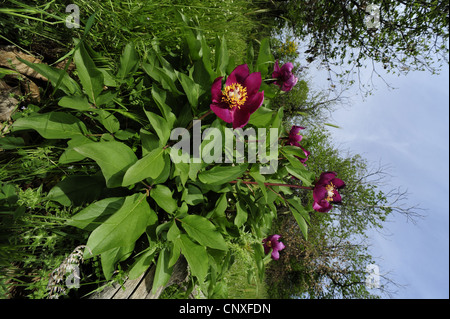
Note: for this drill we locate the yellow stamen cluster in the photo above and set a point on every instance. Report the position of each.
(234, 95)
(330, 189)
(269, 243)
(289, 47)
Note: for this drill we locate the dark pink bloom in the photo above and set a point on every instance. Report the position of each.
(240, 97)
(285, 78)
(294, 139)
(325, 192)
(272, 242)
(303, 160)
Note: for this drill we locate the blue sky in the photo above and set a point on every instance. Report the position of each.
(407, 129)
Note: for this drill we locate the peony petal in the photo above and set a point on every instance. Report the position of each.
(339, 183)
(254, 102)
(293, 81)
(303, 160)
(289, 83)
(307, 153)
(275, 255)
(278, 246)
(274, 237)
(336, 197)
(295, 137)
(322, 206)
(295, 129)
(238, 75)
(276, 70)
(285, 88)
(316, 206)
(326, 177)
(222, 111)
(319, 193)
(241, 115)
(253, 83)
(216, 90)
(287, 67)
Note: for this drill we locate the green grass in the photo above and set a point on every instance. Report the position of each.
(242, 282)
(40, 26)
(141, 22)
(242, 278)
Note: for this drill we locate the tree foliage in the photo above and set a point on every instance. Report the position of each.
(400, 35)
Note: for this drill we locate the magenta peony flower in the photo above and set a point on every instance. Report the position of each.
(240, 97)
(285, 78)
(294, 139)
(325, 192)
(272, 242)
(303, 160)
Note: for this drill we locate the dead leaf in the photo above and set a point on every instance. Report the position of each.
(8, 59)
(7, 102)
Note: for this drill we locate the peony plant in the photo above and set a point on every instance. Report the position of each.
(140, 209)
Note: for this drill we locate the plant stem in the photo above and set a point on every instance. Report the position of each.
(275, 184)
(199, 119)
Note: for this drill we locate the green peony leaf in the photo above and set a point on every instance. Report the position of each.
(203, 231)
(300, 215)
(221, 56)
(142, 263)
(163, 271)
(114, 158)
(151, 165)
(76, 102)
(164, 198)
(95, 214)
(222, 174)
(160, 125)
(52, 125)
(129, 62)
(241, 214)
(124, 227)
(90, 76)
(265, 58)
(77, 190)
(111, 257)
(196, 257)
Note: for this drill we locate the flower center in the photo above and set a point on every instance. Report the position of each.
(330, 191)
(234, 95)
(269, 243)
